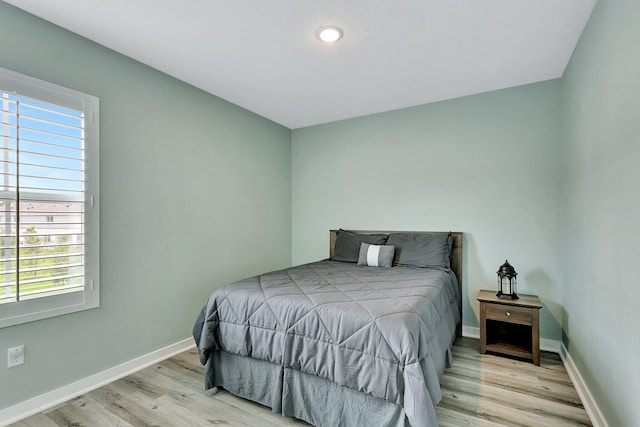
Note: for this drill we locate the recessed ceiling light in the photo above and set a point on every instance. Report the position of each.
(329, 34)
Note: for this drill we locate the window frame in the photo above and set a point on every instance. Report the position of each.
(15, 313)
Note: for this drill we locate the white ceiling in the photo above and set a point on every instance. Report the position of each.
(263, 55)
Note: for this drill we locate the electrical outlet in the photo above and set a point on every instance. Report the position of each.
(15, 356)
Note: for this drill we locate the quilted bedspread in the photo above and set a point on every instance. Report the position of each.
(382, 331)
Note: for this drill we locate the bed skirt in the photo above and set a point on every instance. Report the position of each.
(316, 400)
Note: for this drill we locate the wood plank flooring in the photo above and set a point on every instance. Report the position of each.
(479, 390)
(488, 390)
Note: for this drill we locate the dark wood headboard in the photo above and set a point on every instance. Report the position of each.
(456, 252)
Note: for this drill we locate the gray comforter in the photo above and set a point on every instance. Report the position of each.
(386, 332)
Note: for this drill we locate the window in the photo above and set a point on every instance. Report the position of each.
(49, 215)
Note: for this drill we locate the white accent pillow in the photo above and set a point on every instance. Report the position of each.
(376, 255)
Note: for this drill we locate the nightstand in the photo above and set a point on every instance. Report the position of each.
(510, 327)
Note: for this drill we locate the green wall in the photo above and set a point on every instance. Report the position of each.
(601, 225)
(195, 193)
(487, 165)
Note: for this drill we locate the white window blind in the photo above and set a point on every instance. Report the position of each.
(48, 187)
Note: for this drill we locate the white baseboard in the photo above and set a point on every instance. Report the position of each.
(545, 344)
(55, 397)
(589, 403)
(470, 332)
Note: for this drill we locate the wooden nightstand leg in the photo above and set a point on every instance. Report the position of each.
(535, 338)
(483, 328)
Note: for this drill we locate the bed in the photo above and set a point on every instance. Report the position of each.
(342, 341)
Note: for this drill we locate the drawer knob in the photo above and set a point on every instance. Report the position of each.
(508, 314)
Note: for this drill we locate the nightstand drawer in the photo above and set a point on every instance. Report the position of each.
(511, 314)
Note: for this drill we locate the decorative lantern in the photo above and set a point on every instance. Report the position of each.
(507, 283)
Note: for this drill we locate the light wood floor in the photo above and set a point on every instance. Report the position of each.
(479, 390)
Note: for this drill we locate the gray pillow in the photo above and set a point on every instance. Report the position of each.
(347, 247)
(422, 250)
(376, 255)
